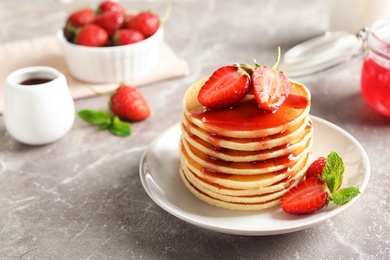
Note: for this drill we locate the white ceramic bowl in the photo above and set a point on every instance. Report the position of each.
(112, 64)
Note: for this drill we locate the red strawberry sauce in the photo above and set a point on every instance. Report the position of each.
(247, 116)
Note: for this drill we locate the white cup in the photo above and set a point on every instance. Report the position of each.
(38, 106)
(353, 15)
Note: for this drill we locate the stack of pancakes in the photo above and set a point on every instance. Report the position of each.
(244, 158)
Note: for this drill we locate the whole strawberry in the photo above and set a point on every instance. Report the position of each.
(92, 35)
(110, 21)
(77, 20)
(110, 6)
(81, 17)
(128, 103)
(316, 167)
(127, 36)
(145, 22)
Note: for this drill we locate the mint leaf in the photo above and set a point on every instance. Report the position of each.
(119, 127)
(95, 117)
(344, 195)
(333, 171)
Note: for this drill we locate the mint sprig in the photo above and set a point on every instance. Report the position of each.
(332, 175)
(107, 121)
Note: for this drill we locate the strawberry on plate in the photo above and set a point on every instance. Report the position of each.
(225, 87)
(127, 36)
(92, 35)
(129, 104)
(315, 192)
(316, 167)
(307, 197)
(145, 22)
(270, 86)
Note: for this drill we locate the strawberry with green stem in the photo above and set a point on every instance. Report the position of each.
(314, 193)
(127, 104)
(270, 86)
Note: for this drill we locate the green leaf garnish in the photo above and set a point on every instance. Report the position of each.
(333, 171)
(105, 121)
(344, 195)
(95, 117)
(119, 127)
(332, 175)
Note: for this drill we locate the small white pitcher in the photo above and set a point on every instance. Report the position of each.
(38, 106)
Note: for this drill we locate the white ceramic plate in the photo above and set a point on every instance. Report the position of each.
(159, 172)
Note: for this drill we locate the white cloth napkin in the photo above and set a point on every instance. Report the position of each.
(47, 51)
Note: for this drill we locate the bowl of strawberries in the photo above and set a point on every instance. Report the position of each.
(110, 44)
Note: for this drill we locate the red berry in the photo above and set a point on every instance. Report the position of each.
(225, 87)
(110, 6)
(270, 87)
(110, 21)
(127, 36)
(145, 22)
(92, 35)
(129, 104)
(307, 197)
(316, 167)
(81, 17)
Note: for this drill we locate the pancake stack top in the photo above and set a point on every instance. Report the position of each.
(242, 157)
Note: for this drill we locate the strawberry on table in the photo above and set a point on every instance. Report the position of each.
(314, 193)
(92, 35)
(127, 36)
(110, 21)
(129, 104)
(270, 86)
(225, 87)
(145, 22)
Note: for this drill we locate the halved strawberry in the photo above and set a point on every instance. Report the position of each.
(307, 197)
(270, 86)
(225, 87)
(316, 167)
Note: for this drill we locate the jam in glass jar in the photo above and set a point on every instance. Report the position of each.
(375, 80)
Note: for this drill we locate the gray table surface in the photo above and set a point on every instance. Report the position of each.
(81, 197)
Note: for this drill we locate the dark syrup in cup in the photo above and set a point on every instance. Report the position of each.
(35, 81)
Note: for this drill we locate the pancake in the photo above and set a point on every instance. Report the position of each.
(237, 153)
(244, 158)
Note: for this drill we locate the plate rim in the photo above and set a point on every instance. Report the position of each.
(265, 232)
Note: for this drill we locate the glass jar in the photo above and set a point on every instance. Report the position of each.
(375, 79)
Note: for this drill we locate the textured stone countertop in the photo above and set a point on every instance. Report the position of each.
(81, 197)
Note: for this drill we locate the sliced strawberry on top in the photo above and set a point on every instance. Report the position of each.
(225, 87)
(270, 86)
(307, 197)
